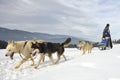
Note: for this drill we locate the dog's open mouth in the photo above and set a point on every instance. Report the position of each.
(11, 56)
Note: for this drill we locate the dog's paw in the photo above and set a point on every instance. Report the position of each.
(55, 62)
(16, 67)
(83, 54)
(32, 65)
(36, 67)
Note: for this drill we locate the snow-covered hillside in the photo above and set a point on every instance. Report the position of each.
(99, 65)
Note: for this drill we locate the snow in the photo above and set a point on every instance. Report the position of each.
(99, 65)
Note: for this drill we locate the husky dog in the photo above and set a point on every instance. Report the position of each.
(50, 48)
(85, 46)
(21, 47)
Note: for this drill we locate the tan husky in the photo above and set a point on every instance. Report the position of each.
(22, 47)
(85, 46)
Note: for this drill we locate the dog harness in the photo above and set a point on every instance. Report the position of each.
(44, 48)
(22, 49)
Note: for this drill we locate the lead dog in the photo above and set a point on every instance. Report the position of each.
(50, 48)
(85, 46)
(22, 47)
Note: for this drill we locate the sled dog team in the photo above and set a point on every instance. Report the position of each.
(30, 48)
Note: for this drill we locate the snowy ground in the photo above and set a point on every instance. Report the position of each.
(100, 65)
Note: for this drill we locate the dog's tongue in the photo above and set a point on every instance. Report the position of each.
(11, 56)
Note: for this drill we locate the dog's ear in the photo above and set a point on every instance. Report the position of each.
(9, 42)
(13, 43)
(83, 42)
(79, 42)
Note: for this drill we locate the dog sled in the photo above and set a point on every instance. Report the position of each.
(105, 44)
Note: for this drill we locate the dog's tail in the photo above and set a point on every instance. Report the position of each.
(66, 43)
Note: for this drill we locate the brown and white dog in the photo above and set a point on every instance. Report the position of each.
(22, 47)
(85, 46)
